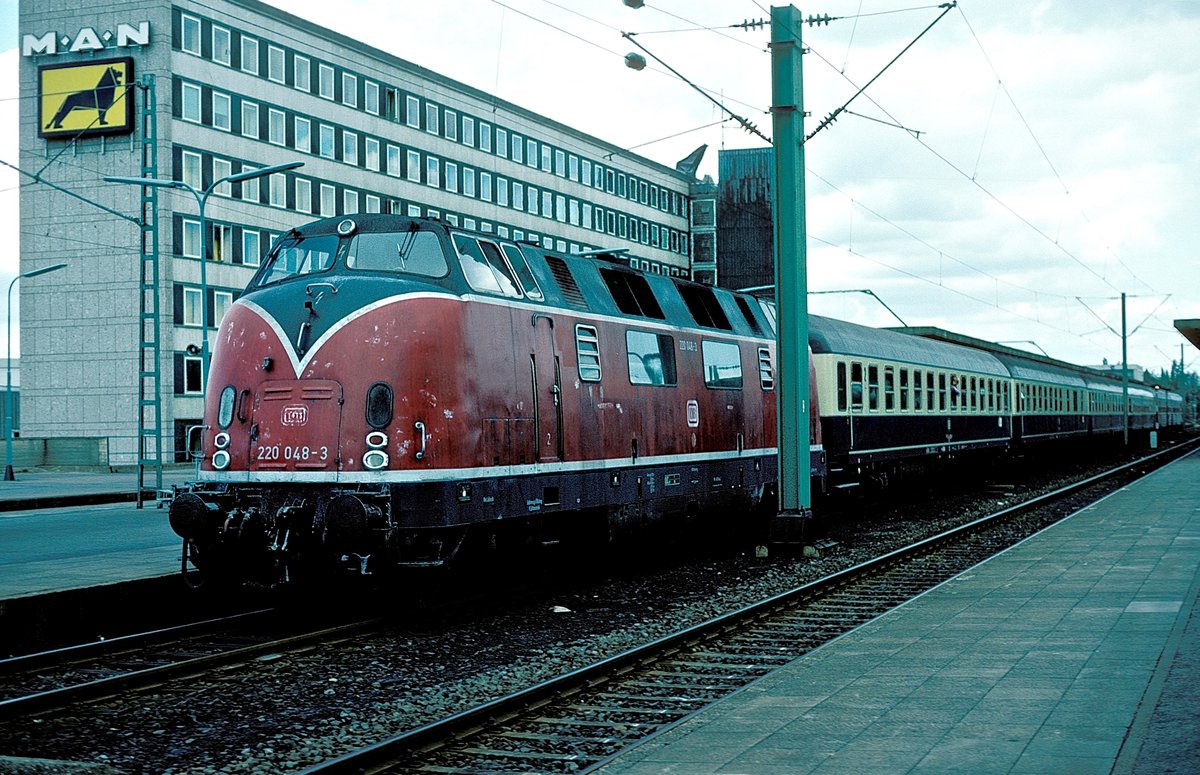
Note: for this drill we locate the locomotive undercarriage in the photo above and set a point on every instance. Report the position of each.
(273, 534)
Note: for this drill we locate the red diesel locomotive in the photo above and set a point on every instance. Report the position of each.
(389, 390)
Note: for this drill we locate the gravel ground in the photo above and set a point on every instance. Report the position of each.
(293, 710)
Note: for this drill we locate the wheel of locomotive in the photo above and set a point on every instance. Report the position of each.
(192, 565)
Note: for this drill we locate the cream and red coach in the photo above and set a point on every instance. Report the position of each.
(388, 387)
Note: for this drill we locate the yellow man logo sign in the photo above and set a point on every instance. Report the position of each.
(92, 98)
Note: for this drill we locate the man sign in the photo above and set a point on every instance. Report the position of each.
(83, 99)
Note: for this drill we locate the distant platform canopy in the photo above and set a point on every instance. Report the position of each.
(1190, 330)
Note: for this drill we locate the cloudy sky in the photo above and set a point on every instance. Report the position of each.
(1008, 177)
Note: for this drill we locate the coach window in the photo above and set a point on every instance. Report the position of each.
(918, 404)
(973, 389)
(889, 388)
(651, 358)
(941, 391)
(841, 386)
(873, 388)
(903, 390)
(955, 391)
(722, 364)
(856, 387)
(587, 351)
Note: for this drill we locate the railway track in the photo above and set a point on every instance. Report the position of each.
(51, 680)
(576, 721)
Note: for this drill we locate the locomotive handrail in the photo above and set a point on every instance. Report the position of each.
(420, 426)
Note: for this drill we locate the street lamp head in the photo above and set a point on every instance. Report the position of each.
(156, 182)
(261, 171)
(43, 270)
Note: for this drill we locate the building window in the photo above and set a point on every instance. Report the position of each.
(191, 238)
(303, 195)
(560, 163)
(222, 301)
(275, 64)
(303, 129)
(531, 156)
(222, 111)
(485, 136)
(372, 203)
(220, 45)
(412, 112)
(547, 155)
(250, 247)
(191, 173)
(433, 168)
(485, 186)
(371, 97)
(250, 188)
(326, 141)
(468, 135)
(573, 167)
(502, 191)
(249, 119)
(468, 181)
(250, 55)
(451, 176)
(450, 122)
(547, 204)
(277, 189)
(531, 200)
(302, 73)
(191, 307)
(501, 143)
(325, 81)
(431, 118)
(350, 90)
(222, 168)
(190, 110)
(191, 34)
(413, 172)
(350, 147)
(276, 133)
(372, 153)
(328, 200)
(349, 202)
(193, 375)
(518, 147)
(518, 196)
(393, 161)
(222, 245)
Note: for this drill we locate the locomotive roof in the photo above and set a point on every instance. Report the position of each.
(826, 335)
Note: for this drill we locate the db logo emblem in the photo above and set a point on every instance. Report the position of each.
(294, 415)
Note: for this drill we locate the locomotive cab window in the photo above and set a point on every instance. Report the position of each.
(485, 267)
(722, 364)
(651, 358)
(297, 255)
(412, 252)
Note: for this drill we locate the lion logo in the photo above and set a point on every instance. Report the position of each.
(99, 99)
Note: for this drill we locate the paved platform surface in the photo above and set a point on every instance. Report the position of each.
(69, 530)
(1077, 651)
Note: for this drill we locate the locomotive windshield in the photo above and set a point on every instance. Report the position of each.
(298, 255)
(411, 252)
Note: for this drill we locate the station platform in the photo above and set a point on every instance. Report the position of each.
(1076, 651)
(70, 530)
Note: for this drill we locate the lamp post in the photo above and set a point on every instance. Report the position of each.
(8, 403)
(201, 200)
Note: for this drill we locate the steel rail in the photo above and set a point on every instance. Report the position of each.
(52, 699)
(379, 756)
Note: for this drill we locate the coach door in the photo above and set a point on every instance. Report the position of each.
(546, 374)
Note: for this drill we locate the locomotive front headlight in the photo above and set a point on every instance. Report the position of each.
(375, 459)
(221, 440)
(377, 440)
(220, 459)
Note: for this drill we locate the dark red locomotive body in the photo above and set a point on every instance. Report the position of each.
(388, 388)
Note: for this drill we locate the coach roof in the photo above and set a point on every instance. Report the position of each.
(837, 337)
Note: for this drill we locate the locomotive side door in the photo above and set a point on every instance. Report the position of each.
(546, 375)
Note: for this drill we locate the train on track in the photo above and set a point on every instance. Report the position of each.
(389, 391)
